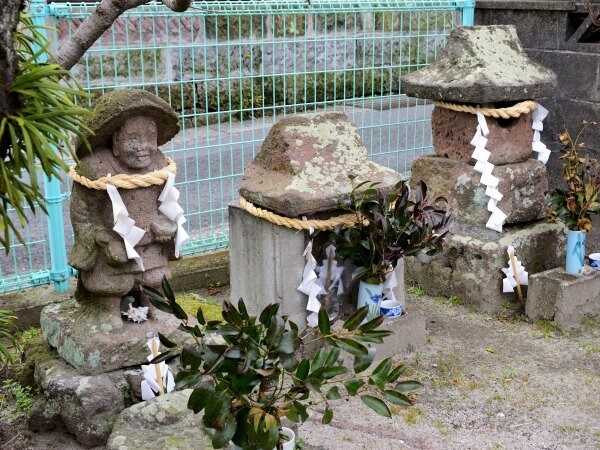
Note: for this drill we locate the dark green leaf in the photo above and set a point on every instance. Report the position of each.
(407, 386)
(303, 369)
(300, 411)
(327, 416)
(178, 311)
(324, 322)
(383, 367)
(222, 437)
(396, 398)
(352, 386)
(353, 322)
(243, 310)
(319, 359)
(275, 332)
(162, 357)
(374, 337)
(268, 313)
(351, 346)
(157, 300)
(200, 316)
(372, 324)
(334, 371)
(200, 397)
(186, 378)
(332, 357)
(167, 290)
(376, 405)
(190, 357)
(397, 372)
(165, 341)
(362, 363)
(333, 394)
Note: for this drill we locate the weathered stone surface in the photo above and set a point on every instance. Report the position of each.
(483, 64)
(304, 163)
(566, 298)
(92, 346)
(161, 423)
(509, 140)
(409, 334)
(127, 128)
(470, 265)
(87, 406)
(522, 184)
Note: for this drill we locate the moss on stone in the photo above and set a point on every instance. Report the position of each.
(36, 351)
(190, 304)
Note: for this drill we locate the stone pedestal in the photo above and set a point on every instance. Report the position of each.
(565, 298)
(92, 347)
(522, 184)
(266, 264)
(470, 265)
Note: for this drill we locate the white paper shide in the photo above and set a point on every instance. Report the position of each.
(158, 378)
(515, 272)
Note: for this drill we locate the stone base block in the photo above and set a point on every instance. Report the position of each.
(470, 265)
(266, 264)
(522, 185)
(566, 298)
(93, 348)
(509, 140)
(87, 406)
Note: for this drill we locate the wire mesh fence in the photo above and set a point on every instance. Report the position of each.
(231, 69)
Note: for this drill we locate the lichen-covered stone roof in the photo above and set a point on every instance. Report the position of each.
(482, 64)
(304, 163)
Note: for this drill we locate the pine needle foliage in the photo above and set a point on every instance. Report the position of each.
(36, 135)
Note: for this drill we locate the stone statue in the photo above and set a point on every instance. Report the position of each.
(128, 126)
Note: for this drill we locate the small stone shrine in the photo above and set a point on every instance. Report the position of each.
(301, 172)
(127, 226)
(485, 126)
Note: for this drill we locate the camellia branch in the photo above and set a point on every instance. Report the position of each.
(98, 22)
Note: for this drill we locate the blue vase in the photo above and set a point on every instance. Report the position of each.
(370, 295)
(575, 251)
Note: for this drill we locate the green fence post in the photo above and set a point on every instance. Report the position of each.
(59, 272)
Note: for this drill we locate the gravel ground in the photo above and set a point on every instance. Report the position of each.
(490, 382)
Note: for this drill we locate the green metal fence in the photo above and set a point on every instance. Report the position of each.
(231, 69)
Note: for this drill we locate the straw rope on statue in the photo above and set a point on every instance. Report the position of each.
(126, 181)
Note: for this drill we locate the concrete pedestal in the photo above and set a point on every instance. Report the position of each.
(266, 264)
(566, 298)
(470, 265)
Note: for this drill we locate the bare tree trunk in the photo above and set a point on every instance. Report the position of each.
(98, 22)
(9, 18)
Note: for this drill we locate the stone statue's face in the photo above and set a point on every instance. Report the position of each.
(135, 142)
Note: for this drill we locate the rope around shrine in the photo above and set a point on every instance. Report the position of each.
(514, 111)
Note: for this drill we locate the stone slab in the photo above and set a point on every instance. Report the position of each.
(304, 162)
(266, 264)
(481, 64)
(523, 186)
(161, 423)
(470, 265)
(566, 298)
(509, 140)
(93, 347)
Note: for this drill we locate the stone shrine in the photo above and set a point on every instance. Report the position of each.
(484, 69)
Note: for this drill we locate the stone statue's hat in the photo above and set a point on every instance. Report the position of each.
(111, 110)
(483, 64)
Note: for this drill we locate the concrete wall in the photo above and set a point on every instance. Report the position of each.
(559, 35)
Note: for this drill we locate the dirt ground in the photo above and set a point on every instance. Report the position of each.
(490, 382)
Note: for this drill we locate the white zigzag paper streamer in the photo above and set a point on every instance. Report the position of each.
(510, 283)
(538, 116)
(170, 208)
(150, 387)
(483, 166)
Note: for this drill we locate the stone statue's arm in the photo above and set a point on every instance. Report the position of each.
(91, 235)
